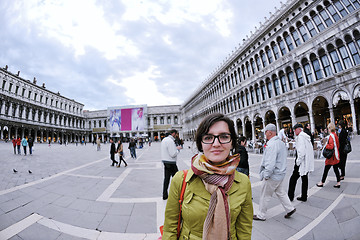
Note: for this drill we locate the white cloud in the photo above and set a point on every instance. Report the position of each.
(78, 24)
(170, 12)
(142, 88)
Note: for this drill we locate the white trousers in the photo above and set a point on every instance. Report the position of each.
(269, 187)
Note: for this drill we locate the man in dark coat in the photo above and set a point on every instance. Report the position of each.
(343, 135)
(112, 152)
(243, 165)
(31, 144)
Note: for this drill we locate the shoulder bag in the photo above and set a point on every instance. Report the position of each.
(327, 153)
(347, 147)
(180, 201)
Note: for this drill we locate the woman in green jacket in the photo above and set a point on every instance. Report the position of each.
(217, 200)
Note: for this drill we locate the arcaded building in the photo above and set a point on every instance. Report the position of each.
(27, 109)
(301, 65)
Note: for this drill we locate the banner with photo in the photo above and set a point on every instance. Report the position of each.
(127, 118)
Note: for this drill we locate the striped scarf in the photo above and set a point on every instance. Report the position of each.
(218, 180)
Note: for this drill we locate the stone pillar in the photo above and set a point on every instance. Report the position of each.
(2, 108)
(253, 130)
(30, 114)
(332, 117)
(42, 135)
(17, 111)
(35, 135)
(10, 109)
(293, 119)
(312, 123)
(36, 115)
(353, 116)
(1, 132)
(244, 128)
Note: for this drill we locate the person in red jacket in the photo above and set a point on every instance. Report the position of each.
(333, 143)
(14, 144)
(18, 143)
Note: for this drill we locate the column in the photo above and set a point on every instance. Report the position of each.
(312, 123)
(10, 109)
(1, 132)
(30, 114)
(243, 128)
(293, 119)
(16, 132)
(36, 115)
(35, 135)
(253, 130)
(42, 135)
(17, 111)
(2, 107)
(332, 117)
(353, 116)
(23, 115)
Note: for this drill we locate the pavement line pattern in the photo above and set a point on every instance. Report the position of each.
(48, 178)
(14, 229)
(321, 217)
(89, 176)
(105, 196)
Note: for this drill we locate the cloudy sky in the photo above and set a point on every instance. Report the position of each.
(106, 53)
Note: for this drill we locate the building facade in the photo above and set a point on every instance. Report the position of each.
(27, 109)
(302, 65)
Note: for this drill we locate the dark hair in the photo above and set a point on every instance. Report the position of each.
(207, 122)
(342, 123)
(242, 139)
(172, 131)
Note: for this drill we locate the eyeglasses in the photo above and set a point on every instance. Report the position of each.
(210, 139)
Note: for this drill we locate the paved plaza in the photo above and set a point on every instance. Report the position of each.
(74, 193)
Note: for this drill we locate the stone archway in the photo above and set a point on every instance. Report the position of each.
(301, 112)
(321, 114)
(258, 126)
(284, 117)
(341, 107)
(248, 128)
(270, 117)
(239, 126)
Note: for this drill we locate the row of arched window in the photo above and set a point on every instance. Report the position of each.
(27, 113)
(36, 96)
(316, 21)
(337, 57)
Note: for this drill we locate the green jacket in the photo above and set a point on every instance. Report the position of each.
(196, 205)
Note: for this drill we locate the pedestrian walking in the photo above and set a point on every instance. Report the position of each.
(217, 199)
(112, 152)
(343, 138)
(272, 173)
(14, 144)
(24, 144)
(243, 165)
(18, 143)
(332, 144)
(304, 163)
(132, 148)
(98, 144)
(169, 152)
(120, 152)
(31, 144)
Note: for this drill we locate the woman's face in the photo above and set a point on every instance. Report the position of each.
(217, 152)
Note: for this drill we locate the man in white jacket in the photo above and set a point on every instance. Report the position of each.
(304, 163)
(169, 152)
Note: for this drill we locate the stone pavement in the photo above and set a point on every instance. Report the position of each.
(73, 193)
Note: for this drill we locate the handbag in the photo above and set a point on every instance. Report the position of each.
(180, 201)
(347, 147)
(328, 153)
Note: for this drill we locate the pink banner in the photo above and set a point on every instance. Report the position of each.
(126, 119)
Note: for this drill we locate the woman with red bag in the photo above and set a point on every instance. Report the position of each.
(333, 143)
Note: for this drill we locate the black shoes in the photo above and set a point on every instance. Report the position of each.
(336, 186)
(14, 170)
(288, 215)
(301, 199)
(255, 217)
(319, 185)
(30, 171)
